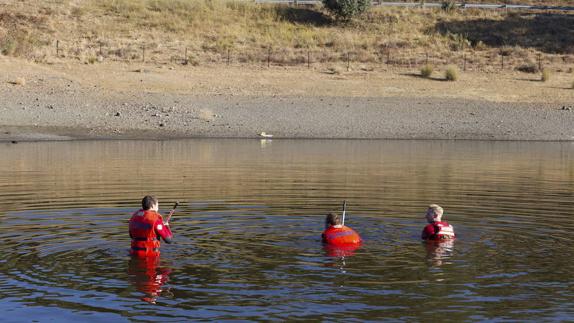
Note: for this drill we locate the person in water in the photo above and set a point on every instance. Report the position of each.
(336, 234)
(146, 227)
(437, 230)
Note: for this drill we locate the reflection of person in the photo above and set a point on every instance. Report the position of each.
(148, 277)
(437, 230)
(146, 227)
(336, 234)
(439, 251)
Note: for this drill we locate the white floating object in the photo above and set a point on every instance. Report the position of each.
(265, 135)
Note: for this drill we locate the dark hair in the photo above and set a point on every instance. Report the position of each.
(148, 201)
(332, 219)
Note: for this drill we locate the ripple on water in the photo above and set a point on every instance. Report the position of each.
(248, 230)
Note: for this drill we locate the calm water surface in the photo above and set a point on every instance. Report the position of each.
(248, 232)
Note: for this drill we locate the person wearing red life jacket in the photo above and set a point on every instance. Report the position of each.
(146, 227)
(338, 235)
(437, 230)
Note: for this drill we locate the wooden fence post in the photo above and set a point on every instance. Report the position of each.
(348, 61)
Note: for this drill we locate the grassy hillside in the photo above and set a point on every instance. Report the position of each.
(92, 30)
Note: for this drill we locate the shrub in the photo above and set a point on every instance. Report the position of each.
(448, 6)
(545, 75)
(346, 9)
(426, 71)
(451, 73)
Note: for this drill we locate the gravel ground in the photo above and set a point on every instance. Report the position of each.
(55, 107)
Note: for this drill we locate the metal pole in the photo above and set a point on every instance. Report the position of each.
(57, 48)
(268, 56)
(464, 61)
(228, 56)
(143, 53)
(344, 211)
(185, 59)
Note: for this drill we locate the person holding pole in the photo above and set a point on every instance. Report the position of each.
(336, 233)
(146, 228)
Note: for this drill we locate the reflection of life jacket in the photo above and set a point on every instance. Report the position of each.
(146, 227)
(344, 250)
(438, 231)
(148, 277)
(340, 236)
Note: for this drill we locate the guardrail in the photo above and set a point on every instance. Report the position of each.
(434, 5)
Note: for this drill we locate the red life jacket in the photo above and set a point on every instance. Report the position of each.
(438, 231)
(340, 236)
(146, 227)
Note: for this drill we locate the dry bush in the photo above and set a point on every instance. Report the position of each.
(426, 71)
(451, 73)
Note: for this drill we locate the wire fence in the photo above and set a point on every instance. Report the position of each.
(386, 58)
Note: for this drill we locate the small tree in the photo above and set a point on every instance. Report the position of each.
(347, 9)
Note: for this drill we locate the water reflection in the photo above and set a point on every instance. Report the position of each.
(439, 252)
(148, 276)
(248, 239)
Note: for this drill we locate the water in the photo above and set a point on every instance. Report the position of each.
(248, 231)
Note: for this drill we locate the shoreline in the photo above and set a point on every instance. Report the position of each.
(76, 102)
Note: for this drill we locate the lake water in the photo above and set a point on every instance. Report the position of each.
(247, 235)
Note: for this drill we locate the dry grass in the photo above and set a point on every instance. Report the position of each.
(212, 29)
(426, 71)
(451, 73)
